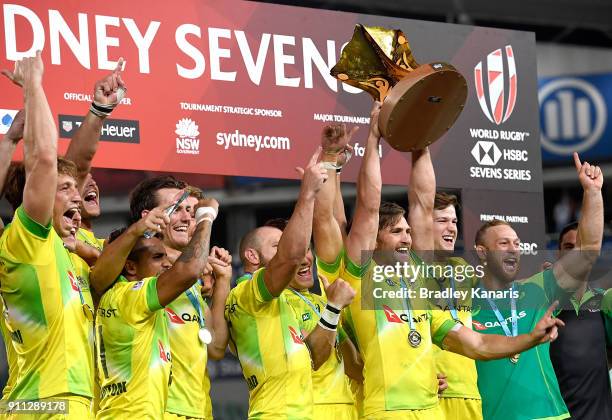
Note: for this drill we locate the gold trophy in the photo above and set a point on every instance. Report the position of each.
(419, 102)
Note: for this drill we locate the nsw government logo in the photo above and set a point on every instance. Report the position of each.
(492, 105)
(187, 141)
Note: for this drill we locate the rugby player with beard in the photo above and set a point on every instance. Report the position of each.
(189, 315)
(395, 336)
(524, 386)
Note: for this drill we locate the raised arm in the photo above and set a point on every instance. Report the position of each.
(571, 270)
(112, 259)
(322, 339)
(39, 138)
(221, 262)
(108, 92)
(295, 240)
(478, 346)
(369, 186)
(421, 196)
(188, 267)
(326, 231)
(9, 143)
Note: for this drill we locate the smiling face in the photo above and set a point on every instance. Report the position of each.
(501, 245)
(445, 229)
(66, 215)
(176, 234)
(90, 207)
(303, 278)
(395, 239)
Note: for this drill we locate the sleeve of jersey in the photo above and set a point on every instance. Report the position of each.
(137, 301)
(27, 241)
(252, 295)
(548, 282)
(331, 271)
(441, 324)
(352, 271)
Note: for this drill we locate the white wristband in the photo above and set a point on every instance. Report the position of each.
(329, 318)
(208, 213)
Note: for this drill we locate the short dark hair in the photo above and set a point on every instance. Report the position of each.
(144, 196)
(389, 214)
(566, 228)
(479, 240)
(134, 253)
(443, 200)
(16, 179)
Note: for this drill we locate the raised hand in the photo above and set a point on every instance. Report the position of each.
(154, 221)
(546, 330)
(221, 262)
(27, 71)
(340, 294)
(314, 175)
(590, 176)
(111, 89)
(335, 138)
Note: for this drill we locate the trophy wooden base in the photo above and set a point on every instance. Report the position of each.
(421, 108)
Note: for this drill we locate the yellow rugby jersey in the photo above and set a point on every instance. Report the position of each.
(460, 371)
(89, 238)
(133, 351)
(44, 288)
(189, 391)
(330, 271)
(397, 376)
(268, 341)
(330, 384)
(11, 357)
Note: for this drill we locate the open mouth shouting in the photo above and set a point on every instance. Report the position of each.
(510, 264)
(71, 221)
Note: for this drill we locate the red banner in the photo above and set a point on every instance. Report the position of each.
(242, 88)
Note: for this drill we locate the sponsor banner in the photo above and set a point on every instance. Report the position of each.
(122, 131)
(574, 114)
(247, 93)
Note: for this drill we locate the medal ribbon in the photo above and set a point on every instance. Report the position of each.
(309, 303)
(513, 316)
(407, 307)
(196, 304)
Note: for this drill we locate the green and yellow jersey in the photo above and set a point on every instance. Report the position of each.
(11, 357)
(460, 371)
(133, 351)
(45, 290)
(276, 365)
(189, 391)
(89, 238)
(330, 384)
(527, 389)
(397, 375)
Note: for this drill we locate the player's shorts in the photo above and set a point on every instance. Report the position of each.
(434, 413)
(172, 416)
(461, 408)
(79, 408)
(334, 411)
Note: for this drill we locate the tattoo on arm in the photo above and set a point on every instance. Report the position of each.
(199, 246)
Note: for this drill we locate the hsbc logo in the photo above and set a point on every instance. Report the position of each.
(486, 153)
(492, 90)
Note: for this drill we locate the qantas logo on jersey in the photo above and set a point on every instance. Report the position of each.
(174, 318)
(73, 281)
(163, 354)
(297, 339)
(401, 318)
(480, 326)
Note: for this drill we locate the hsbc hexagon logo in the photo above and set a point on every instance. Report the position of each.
(492, 102)
(486, 153)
